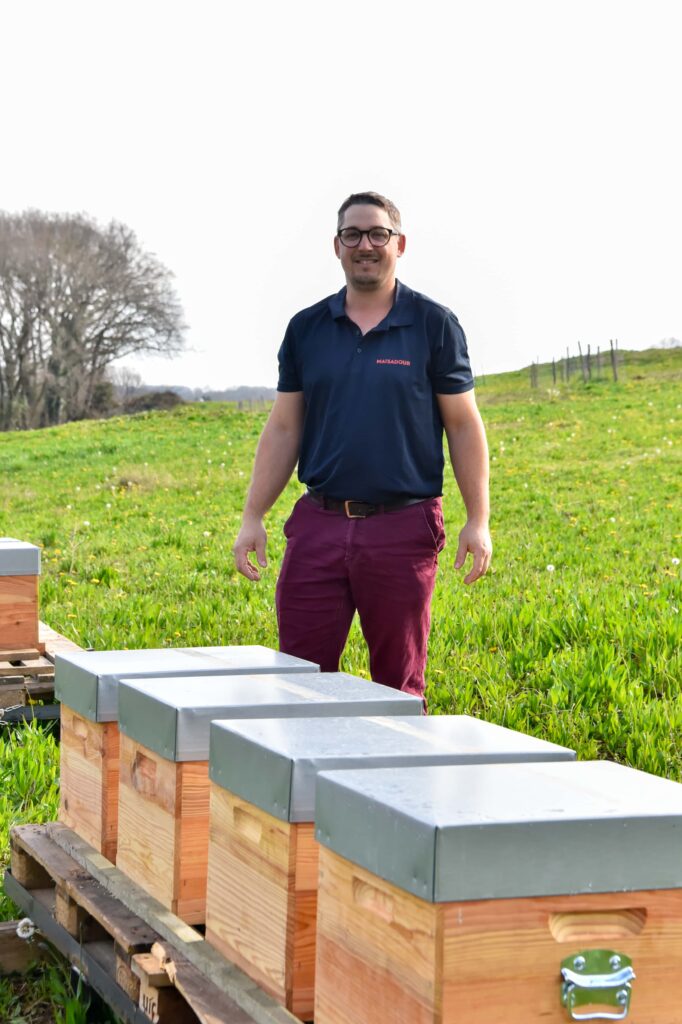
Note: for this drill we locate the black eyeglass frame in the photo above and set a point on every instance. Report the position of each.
(368, 232)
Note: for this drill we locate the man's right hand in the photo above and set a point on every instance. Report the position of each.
(251, 537)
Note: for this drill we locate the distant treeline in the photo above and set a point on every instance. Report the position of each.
(243, 393)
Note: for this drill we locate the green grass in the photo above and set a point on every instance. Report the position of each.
(136, 518)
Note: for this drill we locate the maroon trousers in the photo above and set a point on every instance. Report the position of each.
(383, 566)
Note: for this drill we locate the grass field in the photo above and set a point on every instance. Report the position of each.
(136, 518)
(574, 636)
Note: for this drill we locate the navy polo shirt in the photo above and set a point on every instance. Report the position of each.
(372, 430)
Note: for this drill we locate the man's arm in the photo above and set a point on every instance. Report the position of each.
(276, 457)
(469, 456)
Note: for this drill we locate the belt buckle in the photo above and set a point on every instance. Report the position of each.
(349, 514)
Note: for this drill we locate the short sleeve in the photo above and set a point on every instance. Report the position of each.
(289, 376)
(450, 367)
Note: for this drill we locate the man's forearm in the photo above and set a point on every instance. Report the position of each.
(469, 457)
(276, 458)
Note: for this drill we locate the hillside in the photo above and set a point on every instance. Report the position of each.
(575, 635)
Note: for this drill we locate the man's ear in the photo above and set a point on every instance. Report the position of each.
(337, 248)
(401, 245)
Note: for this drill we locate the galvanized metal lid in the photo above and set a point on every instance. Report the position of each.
(274, 763)
(173, 716)
(87, 681)
(503, 831)
(18, 558)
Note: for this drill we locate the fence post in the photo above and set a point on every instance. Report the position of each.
(614, 361)
(582, 363)
(568, 365)
(589, 365)
(553, 371)
(598, 362)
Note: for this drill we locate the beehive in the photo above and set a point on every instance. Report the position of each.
(19, 572)
(261, 902)
(164, 784)
(518, 893)
(86, 682)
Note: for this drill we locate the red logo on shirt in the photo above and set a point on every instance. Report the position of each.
(394, 362)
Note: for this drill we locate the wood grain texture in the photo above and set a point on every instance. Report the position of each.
(176, 934)
(18, 611)
(379, 950)
(89, 780)
(163, 828)
(53, 643)
(502, 957)
(250, 880)
(385, 955)
(261, 905)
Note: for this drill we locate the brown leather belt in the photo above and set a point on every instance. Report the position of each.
(359, 509)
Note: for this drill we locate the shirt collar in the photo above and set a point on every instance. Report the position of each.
(400, 315)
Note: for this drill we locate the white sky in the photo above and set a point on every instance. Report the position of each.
(533, 147)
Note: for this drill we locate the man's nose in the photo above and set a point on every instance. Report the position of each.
(365, 243)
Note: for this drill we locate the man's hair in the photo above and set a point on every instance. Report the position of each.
(370, 199)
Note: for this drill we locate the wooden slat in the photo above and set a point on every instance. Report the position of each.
(162, 1003)
(190, 943)
(19, 653)
(38, 666)
(210, 1005)
(37, 905)
(38, 860)
(54, 643)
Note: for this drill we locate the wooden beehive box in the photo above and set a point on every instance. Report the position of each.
(489, 894)
(163, 828)
(86, 682)
(261, 901)
(19, 572)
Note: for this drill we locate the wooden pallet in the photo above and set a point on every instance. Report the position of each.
(27, 676)
(146, 963)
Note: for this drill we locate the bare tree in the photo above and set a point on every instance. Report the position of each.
(74, 297)
(126, 382)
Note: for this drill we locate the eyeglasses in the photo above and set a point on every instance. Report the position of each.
(379, 237)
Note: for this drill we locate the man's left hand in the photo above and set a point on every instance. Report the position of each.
(474, 539)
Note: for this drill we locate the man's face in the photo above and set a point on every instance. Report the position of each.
(368, 267)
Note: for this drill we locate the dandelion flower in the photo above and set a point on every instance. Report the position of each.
(25, 928)
(675, 561)
(550, 568)
(207, 533)
(86, 522)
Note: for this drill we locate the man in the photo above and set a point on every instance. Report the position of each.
(369, 379)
